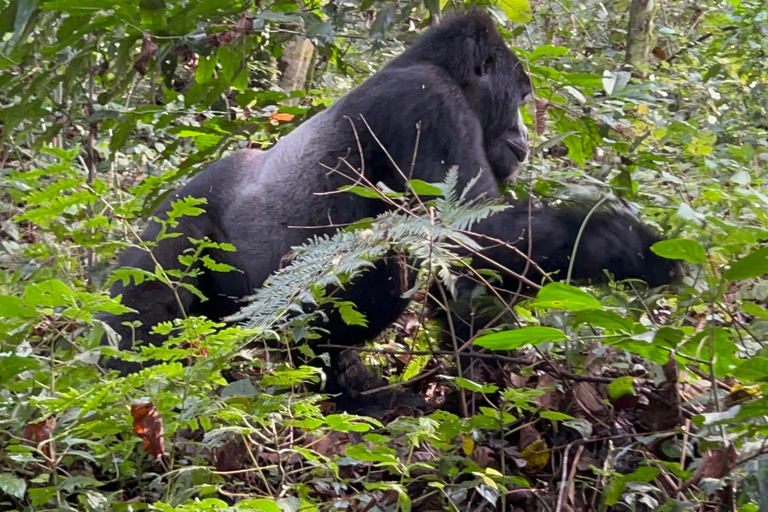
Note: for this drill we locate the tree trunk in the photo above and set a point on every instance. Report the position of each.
(294, 65)
(639, 32)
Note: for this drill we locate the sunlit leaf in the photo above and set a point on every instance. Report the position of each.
(753, 264)
(681, 249)
(510, 340)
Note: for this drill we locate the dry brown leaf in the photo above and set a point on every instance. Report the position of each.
(278, 117)
(588, 398)
(230, 456)
(483, 456)
(550, 399)
(541, 115)
(717, 463)
(148, 49)
(659, 53)
(40, 432)
(714, 464)
(148, 425)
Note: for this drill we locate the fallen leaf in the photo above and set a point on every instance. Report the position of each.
(483, 456)
(40, 432)
(536, 456)
(659, 53)
(278, 117)
(230, 456)
(588, 398)
(148, 49)
(148, 425)
(717, 463)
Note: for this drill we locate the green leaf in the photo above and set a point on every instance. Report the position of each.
(361, 191)
(680, 249)
(12, 486)
(345, 423)
(518, 11)
(49, 293)
(548, 50)
(205, 69)
(565, 296)
(377, 454)
(433, 6)
(556, 416)
(510, 340)
(753, 264)
(712, 72)
(605, 319)
(475, 387)
(422, 188)
(11, 307)
(352, 316)
(12, 365)
(753, 369)
(622, 386)
(748, 307)
(214, 265)
(256, 505)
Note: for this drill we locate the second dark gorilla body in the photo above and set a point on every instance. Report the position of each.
(462, 88)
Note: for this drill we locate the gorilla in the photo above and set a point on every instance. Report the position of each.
(451, 99)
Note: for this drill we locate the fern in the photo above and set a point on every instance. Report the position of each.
(429, 235)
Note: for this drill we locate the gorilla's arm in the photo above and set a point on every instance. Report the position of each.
(611, 241)
(615, 241)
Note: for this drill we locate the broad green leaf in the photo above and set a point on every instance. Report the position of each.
(255, 505)
(376, 454)
(510, 340)
(753, 264)
(12, 486)
(565, 296)
(11, 307)
(605, 319)
(205, 68)
(12, 365)
(548, 50)
(422, 188)
(748, 307)
(680, 249)
(361, 191)
(753, 369)
(344, 423)
(518, 11)
(622, 386)
(475, 387)
(556, 416)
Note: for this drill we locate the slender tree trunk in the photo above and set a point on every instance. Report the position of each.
(639, 32)
(294, 64)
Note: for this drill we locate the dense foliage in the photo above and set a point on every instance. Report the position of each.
(614, 399)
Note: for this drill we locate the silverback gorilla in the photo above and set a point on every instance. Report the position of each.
(451, 99)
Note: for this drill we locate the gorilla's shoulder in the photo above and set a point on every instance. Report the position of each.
(222, 178)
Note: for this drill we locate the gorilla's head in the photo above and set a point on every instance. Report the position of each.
(494, 82)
